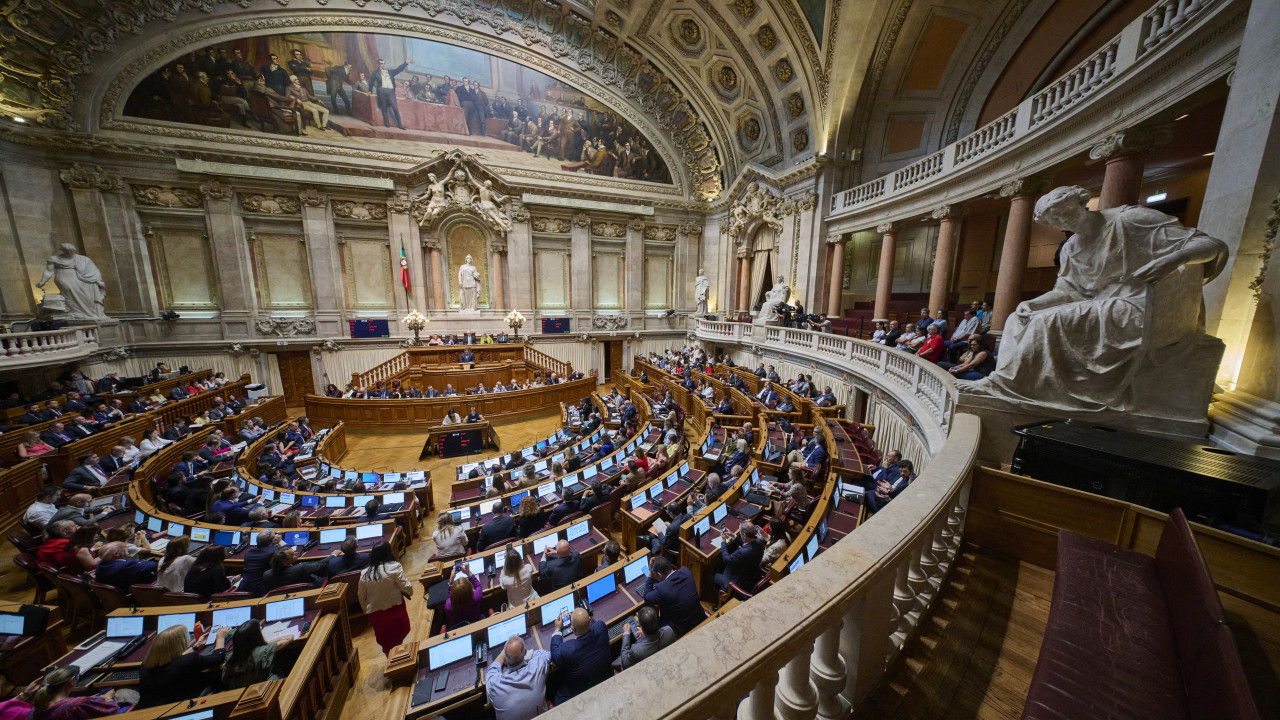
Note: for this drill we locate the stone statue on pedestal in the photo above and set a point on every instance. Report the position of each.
(1122, 329)
(776, 296)
(701, 288)
(468, 286)
(80, 283)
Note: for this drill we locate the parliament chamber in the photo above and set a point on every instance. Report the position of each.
(450, 358)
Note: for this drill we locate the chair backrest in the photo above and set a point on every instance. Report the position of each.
(22, 540)
(500, 543)
(181, 598)
(78, 591)
(602, 515)
(229, 596)
(149, 595)
(1194, 607)
(286, 589)
(111, 597)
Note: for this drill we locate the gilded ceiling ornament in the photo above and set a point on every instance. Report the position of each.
(156, 196)
(727, 77)
(800, 139)
(766, 38)
(361, 211)
(214, 190)
(783, 71)
(751, 128)
(613, 18)
(795, 104)
(690, 33)
(78, 178)
(271, 204)
(312, 197)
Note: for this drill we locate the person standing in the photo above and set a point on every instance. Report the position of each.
(383, 86)
(383, 590)
(335, 76)
(298, 65)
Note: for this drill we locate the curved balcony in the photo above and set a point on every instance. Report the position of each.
(1169, 51)
(29, 349)
(819, 641)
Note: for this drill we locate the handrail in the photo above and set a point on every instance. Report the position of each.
(382, 371)
(822, 638)
(537, 357)
(1124, 54)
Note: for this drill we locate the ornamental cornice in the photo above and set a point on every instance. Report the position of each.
(887, 228)
(79, 178)
(311, 197)
(1134, 140)
(399, 204)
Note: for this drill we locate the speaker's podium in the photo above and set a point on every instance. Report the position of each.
(459, 439)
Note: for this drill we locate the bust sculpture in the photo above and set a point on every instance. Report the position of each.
(468, 286)
(1121, 330)
(701, 287)
(775, 297)
(79, 281)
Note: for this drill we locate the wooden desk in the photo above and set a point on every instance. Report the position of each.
(459, 439)
(21, 658)
(700, 554)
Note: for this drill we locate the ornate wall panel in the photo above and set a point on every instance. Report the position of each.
(657, 281)
(367, 275)
(609, 280)
(552, 283)
(284, 279)
(184, 269)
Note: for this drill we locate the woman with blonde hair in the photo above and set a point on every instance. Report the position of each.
(449, 538)
(131, 451)
(32, 445)
(517, 577)
(530, 518)
(173, 671)
(465, 593)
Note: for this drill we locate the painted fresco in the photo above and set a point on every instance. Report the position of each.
(365, 89)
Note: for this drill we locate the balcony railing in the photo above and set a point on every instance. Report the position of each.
(28, 349)
(1163, 23)
(819, 641)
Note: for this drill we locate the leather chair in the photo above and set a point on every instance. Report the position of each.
(286, 589)
(85, 606)
(501, 543)
(738, 592)
(42, 584)
(182, 598)
(109, 596)
(149, 595)
(351, 580)
(23, 540)
(229, 596)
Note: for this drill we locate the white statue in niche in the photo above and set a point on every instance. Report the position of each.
(775, 297)
(701, 288)
(469, 286)
(79, 281)
(1122, 328)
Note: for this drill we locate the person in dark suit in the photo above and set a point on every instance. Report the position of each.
(287, 570)
(670, 539)
(56, 436)
(107, 384)
(114, 568)
(467, 357)
(111, 464)
(335, 76)
(80, 428)
(583, 659)
(178, 393)
(275, 74)
(501, 527)
(349, 559)
(563, 569)
(257, 560)
(383, 87)
(137, 405)
(176, 431)
(371, 511)
(230, 505)
(743, 552)
(562, 511)
(644, 637)
(739, 457)
(673, 591)
(86, 475)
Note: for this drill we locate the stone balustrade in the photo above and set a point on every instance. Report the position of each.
(1121, 67)
(818, 642)
(29, 349)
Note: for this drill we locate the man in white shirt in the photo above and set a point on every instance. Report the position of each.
(517, 682)
(43, 508)
(968, 326)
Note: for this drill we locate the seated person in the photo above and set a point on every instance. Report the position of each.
(888, 489)
(976, 362)
(674, 593)
(742, 553)
(42, 510)
(563, 569)
(175, 670)
(473, 416)
(826, 399)
(85, 475)
(348, 560)
(231, 506)
(287, 570)
(584, 659)
(32, 446)
(500, 527)
(467, 357)
(649, 634)
(114, 568)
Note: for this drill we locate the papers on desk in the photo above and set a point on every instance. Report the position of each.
(659, 526)
(98, 655)
(717, 541)
(280, 630)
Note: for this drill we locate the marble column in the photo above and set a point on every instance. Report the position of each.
(744, 279)
(884, 280)
(634, 268)
(944, 258)
(402, 229)
(1244, 181)
(498, 251)
(580, 268)
(686, 265)
(327, 298)
(1022, 196)
(520, 259)
(230, 250)
(1125, 154)
(836, 289)
(432, 244)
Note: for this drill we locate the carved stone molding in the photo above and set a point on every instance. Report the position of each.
(78, 178)
(499, 247)
(580, 219)
(312, 197)
(744, 253)
(399, 204)
(214, 190)
(660, 233)
(609, 322)
(361, 211)
(465, 187)
(608, 229)
(690, 228)
(887, 228)
(163, 196)
(758, 203)
(112, 354)
(948, 212)
(517, 211)
(432, 243)
(551, 225)
(328, 345)
(270, 204)
(836, 239)
(285, 326)
(1133, 140)
(1033, 185)
(635, 224)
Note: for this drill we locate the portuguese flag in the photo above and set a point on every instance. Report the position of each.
(404, 268)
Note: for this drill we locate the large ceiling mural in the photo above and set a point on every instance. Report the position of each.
(369, 90)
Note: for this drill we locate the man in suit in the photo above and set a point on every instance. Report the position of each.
(670, 539)
(56, 436)
(191, 465)
(35, 415)
(114, 568)
(889, 472)
(761, 372)
(177, 430)
(740, 457)
(743, 552)
(86, 475)
(178, 393)
(768, 396)
(563, 569)
(715, 488)
(501, 527)
(81, 427)
(890, 487)
(138, 405)
(383, 86)
(75, 403)
(773, 375)
(257, 560)
(628, 412)
(276, 75)
(650, 636)
(827, 398)
(335, 76)
(583, 659)
(231, 506)
(107, 384)
(675, 593)
(74, 511)
(112, 463)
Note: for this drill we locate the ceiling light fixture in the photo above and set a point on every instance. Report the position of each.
(1208, 154)
(1157, 197)
(1184, 116)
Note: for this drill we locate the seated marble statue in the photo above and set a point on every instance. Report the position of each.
(773, 299)
(1127, 295)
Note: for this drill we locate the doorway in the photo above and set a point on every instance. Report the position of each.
(295, 376)
(613, 356)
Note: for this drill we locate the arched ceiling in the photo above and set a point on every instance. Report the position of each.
(715, 84)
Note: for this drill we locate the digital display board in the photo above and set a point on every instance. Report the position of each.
(369, 329)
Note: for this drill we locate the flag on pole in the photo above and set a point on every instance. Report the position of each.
(404, 268)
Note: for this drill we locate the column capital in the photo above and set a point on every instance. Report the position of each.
(213, 190)
(1133, 140)
(78, 178)
(835, 239)
(581, 219)
(431, 243)
(517, 211)
(399, 204)
(498, 247)
(744, 253)
(1033, 185)
(311, 197)
(949, 212)
(887, 228)
(635, 224)
(690, 228)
